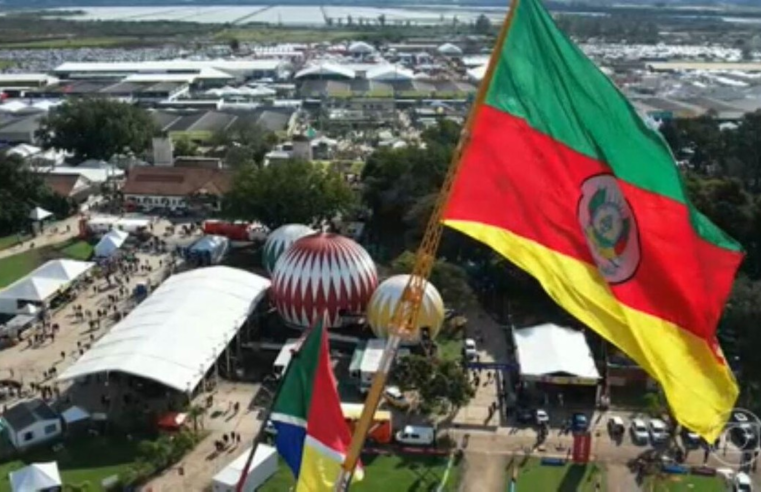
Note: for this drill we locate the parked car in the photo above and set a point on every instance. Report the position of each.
(616, 426)
(471, 352)
(639, 432)
(414, 435)
(579, 422)
(690, 439)
(542, 417)
(742, 483)
(395, 397)
(524, 415)
(658, 431)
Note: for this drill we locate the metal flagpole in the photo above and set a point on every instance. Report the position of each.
(260, 435)
(403, 321)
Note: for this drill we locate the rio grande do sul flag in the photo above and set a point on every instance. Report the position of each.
(312, 435)
(562, 176)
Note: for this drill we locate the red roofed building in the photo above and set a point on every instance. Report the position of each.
(176, 187)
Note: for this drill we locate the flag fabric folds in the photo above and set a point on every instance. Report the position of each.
(312, 436)
(564, 178)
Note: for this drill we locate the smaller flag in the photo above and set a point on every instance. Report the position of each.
(312, 435)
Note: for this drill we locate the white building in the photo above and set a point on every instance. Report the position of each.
(31, 422)
(262, 467)
(258, 68)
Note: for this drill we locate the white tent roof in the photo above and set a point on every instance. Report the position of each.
(75, 414)
(548, 348)
(37, 476)
(449, 49)
(360, 47)
(39, 214)
(326, 69)
(209, 243)
(24, 150)
(175, 335)
(478, 73)
(13, 106)
(110, 242)
(46, 280)
(390, 72)
(230, 475)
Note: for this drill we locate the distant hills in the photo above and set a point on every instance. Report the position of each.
(563, 5)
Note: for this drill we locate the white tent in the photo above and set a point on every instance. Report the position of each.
(41, 284)
(176, 334)
(449, 49)
(110, 243)
(547, 350)
(360, 48)
(39, 214)
(262, 467)
(24, 150)
(75, 414)
(37, 476)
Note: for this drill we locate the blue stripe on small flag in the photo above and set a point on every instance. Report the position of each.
(289, 442)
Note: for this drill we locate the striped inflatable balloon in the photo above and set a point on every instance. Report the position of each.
(322, 274)
(279, 241)
(381, 307)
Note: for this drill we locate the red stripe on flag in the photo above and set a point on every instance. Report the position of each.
(516, 178)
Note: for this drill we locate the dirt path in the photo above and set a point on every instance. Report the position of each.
(483, 472)
(620, 479)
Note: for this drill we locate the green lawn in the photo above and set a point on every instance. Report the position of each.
(385, 474)
(76, 250)
(6, 64)
(450, 347)
(84, 42)
(8, 241)
(569, 478)
(14, 267)
(684, 483)
(89, 459)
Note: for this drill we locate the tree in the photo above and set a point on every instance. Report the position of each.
(97, 128)
(183, 146)
(21, 191)
(289, 192)
(234, 45)
(442, 385)
(654, 404)
(450, 280)
(483, 25)
(382, 20)
(245, 142)
(196, 414)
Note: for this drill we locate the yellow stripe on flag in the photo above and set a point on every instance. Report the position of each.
(700, 391)
(320, 468)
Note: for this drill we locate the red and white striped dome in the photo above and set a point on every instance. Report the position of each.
(322, 274)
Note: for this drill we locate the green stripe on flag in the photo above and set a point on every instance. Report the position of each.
(544, 78)
(295, 395)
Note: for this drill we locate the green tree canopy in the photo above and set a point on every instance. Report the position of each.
(288, 192)
(244, 143)
(483, 25)
(441, 384)
(21, 191)
(450, 280)
(97, 128)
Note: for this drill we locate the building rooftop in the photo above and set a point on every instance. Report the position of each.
(28, 412)
(174, 181)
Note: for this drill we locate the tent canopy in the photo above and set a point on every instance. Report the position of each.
(175, 335)
(549, 349)
(110, 242)
(37, 476)
(39, 214)
(46, 280)
(230, 475)
(74, 414)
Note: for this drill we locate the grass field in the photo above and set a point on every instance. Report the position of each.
(8, 241)
(386, 473)
(569, 478)
(284, 35)
(85, 42)
(14, 267)
(87, 460)
(684, 483)
(6, 64)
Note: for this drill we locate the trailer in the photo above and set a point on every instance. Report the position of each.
(380, 431)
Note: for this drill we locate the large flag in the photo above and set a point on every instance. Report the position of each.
(312, 435)
(564, 178)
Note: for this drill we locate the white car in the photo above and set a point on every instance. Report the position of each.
(470, 349)
(639, 432)
(742, 483)
(395, 397)
(542, 417)
(658, 431)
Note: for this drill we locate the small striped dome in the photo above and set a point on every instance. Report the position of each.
(279, 241)
(322, 274)
(381, 307)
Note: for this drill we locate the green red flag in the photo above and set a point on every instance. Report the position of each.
(564, 178)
